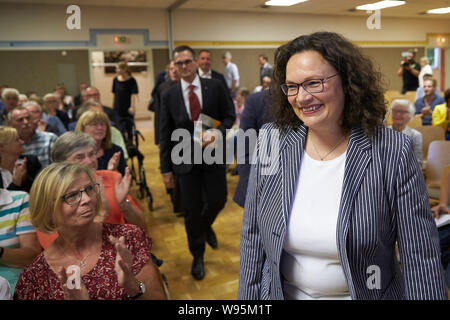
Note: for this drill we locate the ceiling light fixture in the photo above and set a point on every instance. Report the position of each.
(283, 3)
(381, 5)
(439, 11)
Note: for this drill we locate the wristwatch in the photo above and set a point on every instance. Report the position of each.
(140, 293)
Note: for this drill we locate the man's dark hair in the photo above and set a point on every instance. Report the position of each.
(361, 82)
(184, 48)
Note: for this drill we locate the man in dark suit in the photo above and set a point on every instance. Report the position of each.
(255, 115)
(204, 68)
(203, 186)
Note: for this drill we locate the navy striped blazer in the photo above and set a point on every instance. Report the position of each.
(384, 201)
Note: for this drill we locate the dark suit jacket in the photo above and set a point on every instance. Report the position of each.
(255, 115)
(174, 116)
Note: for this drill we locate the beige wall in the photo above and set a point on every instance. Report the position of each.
(41, 70)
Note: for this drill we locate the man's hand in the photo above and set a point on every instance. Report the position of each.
(169, 180)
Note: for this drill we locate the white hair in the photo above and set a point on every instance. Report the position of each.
(403, 103)
(227, 54)
(34, 103)
(9, 91)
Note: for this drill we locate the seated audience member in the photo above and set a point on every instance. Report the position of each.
(22, 99)
(114, 260)
(78, 100)
(441, 115)
(65, 101)
(18, 171)
(265, 84)
(97, 125)
(425, 105)
(36, 143)
(5, 289)
(10, 98)
(43, 121)
(402, 111)
(420, 93)
(116, 135)
(118, 206)
(18, 241)
(51, 108)
(92, 93)
(444, 232)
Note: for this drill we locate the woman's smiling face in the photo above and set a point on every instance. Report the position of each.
(316, 110)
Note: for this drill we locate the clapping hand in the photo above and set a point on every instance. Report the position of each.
(122, 186)
(123, 265)
(113, 163)
(74, 293)
(20, 172)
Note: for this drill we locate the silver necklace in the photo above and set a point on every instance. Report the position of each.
(82, 262)
(335, 146)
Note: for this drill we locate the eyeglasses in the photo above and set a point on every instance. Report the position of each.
(96, 124)
(74, 197)
(310, 86)
(186, 62)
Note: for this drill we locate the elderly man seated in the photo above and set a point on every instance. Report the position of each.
(10, 98)
(402, 111)
(37, 143)
(43, 121)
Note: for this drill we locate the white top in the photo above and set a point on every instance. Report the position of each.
(425, 70)
(310, 262)
(231, 73)
(197, 90)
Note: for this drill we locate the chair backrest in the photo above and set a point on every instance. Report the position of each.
(416, 121)
(410, 95)
(429, 134)
(438, 157)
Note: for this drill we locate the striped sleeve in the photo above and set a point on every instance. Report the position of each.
(418, 240)
(23, 223)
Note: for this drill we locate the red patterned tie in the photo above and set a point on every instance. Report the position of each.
(194, 104)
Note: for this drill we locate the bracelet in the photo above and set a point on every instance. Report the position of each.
(2, 250)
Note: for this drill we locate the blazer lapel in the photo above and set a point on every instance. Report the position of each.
(291, 156)
(357, 159)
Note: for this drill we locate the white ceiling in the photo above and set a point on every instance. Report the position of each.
(412, 9)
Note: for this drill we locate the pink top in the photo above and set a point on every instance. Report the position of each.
(38, 281)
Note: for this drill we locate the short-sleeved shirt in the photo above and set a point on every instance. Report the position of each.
(231, 73)
(14, 221)
(122, 95)
(39, 282)
(41, 145)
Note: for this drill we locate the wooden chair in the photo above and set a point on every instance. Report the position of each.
(410, 95)
(437, 159)
(429, 134)
(415, 122)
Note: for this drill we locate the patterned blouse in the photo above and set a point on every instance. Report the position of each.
(39, 282)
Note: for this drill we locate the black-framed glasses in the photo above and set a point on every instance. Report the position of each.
(186, 62)
(312, 86)
(74, 197)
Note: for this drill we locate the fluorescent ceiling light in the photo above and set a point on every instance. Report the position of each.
(439, 11)
(283, 3)
(380, 5)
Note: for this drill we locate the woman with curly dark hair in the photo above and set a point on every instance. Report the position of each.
(342, 191)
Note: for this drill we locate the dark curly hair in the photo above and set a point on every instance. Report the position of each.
(362, 84)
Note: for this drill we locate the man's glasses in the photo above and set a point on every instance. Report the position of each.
(312, 86)
(181, 63)
(74, 197)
